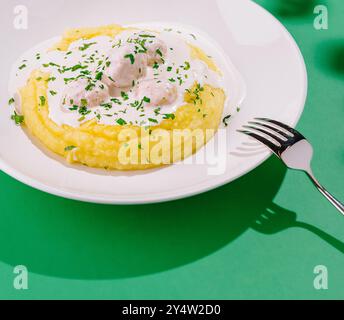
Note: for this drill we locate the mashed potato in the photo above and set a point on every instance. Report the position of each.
(105, 146)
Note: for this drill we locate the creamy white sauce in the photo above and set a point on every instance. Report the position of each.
(177, 72)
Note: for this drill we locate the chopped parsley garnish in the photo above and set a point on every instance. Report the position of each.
(77, 67)
(111, 79)
(138, 104)
(158, 51)
(22, 66)
(169, 69)
(83, 102)
(196, 94)
(70, 148)
(124, 96)
(153, 120)
(131, 57)
(147, 100)
(99, 75)
(106, 106)
(86, 46)
(52, 64)
(53, 93)
(11, 101)
(146, 36)
(115, 100)
(226, 120)
(18, 119)
(139, 45)
(187, 66)
(192, 35)
(121, 122)
(66, 80)
(42, 99)
(118, 44)
(156, 65)
(85, 72)
(90, 86)
(169, 116)
(84, 111)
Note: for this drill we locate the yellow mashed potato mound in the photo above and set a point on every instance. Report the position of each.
(125, 147)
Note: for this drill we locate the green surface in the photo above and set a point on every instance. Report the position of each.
(208, 246)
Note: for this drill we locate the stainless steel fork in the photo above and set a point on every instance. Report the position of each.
(290, 146)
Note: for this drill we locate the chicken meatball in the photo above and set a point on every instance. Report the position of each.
(85, 92)
(156, 50)
(124, 67)
(162, 93)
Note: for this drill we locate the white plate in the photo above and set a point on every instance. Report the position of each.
(259, 46)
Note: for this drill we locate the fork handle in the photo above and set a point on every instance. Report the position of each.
(339, 205)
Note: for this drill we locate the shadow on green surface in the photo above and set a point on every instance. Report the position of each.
(330, 57)
(296, 8)
(291, 8)
(276, 219)
(64, 238)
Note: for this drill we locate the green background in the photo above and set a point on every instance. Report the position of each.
(208, 246)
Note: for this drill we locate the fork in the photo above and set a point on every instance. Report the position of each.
(290, 146)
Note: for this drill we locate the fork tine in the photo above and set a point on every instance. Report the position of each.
(270, 134)
(264, 141)
(282, 125)
(274, 129)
